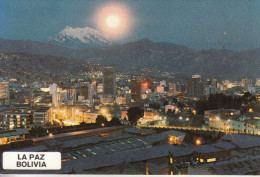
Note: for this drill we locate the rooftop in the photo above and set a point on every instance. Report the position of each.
(242, 140)
(13, 132)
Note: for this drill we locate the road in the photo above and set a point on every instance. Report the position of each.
(193, 128)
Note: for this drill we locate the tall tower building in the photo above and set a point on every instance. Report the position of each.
(194, 86)
(246, 83)
(83, 91)
(172, 89)
(109, 81)
(4, 92)
(136, 89)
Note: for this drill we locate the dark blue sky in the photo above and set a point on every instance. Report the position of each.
(199, 24)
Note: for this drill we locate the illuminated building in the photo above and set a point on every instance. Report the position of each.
(100, 88)
(10, 136)
(151, 116)
(175, 137)
(172, 89)
(121, 100)
(90, 117)
(42, 116)
(71, 96)
(4, 92)
(180, 160)
(109, 81)
(56, 98)
(91, 91)
(18, 119)
(210, 87)
(53, 88)
(246, 83)
(160, 89)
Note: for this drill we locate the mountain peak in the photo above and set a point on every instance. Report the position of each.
(80, 38)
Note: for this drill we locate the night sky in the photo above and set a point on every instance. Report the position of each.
(199, 24)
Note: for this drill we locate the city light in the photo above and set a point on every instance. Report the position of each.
(103, 111)
(103, 124)
(50, 134)
(180, 118)
(198, 142)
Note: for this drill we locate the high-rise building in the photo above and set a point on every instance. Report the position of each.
(246, 83)
(53, 88)
(210, 87)
(83, 91)
(172, 89)
(4, 92)
(194, 87)
(71, 96)
(136, 89)
(109, 81)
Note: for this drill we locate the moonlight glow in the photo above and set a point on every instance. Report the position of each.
(114, 20)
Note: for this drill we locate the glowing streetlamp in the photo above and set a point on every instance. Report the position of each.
(198, 142)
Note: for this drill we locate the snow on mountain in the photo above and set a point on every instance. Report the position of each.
(79, 38)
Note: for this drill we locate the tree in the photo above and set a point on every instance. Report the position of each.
(101, 120)
(134, 114)
(115, 121)
(37, 131)
(83, 124)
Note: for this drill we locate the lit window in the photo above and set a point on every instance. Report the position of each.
(201, 160)
(171, 172)
(211, 160)
(171, 160)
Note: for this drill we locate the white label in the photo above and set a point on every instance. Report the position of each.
(31, 160)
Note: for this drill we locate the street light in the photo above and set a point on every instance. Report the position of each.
(198, 142)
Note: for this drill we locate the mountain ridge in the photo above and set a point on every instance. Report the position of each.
(143, 55)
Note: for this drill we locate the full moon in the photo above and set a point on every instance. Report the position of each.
(114, 20)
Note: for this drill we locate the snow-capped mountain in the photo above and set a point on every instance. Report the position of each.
(79, 38)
